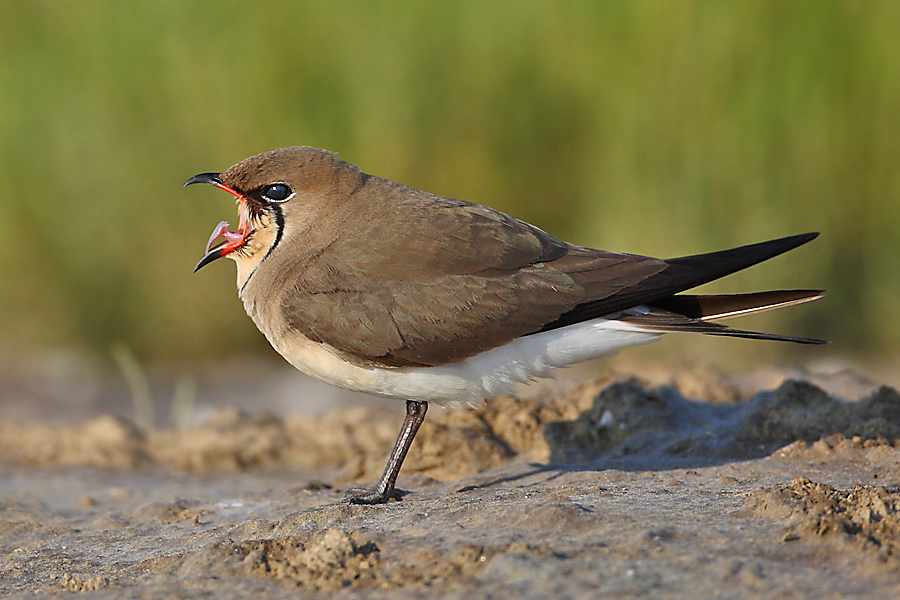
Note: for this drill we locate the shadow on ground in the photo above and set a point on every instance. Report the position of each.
(630, 426)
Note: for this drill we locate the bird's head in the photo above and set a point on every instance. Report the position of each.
(266, 188)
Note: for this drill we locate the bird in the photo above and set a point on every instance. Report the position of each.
(373, 286)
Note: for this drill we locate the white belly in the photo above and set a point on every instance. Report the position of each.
(482, 376)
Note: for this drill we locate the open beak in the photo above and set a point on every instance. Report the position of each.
(233, 239)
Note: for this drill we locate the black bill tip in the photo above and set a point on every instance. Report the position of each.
(209, 257)
(208, 178)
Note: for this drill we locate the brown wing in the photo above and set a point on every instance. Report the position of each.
(420, 280)
(433, 281)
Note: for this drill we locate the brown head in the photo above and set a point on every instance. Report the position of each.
(288, 185)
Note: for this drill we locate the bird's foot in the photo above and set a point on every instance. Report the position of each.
(369, 496)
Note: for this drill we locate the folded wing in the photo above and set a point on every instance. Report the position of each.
(464, 279)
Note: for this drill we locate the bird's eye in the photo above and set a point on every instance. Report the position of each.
(277, 192)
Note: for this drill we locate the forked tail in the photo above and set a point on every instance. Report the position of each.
(696, 313)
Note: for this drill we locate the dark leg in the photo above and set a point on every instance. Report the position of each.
(415, 415)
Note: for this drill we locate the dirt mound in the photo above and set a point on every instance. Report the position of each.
(629, 421)
(334, 559)
(623, 422)
(330, 560)
(865, 517)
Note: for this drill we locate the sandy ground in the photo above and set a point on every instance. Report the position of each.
(707, 487)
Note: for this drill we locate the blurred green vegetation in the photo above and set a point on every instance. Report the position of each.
(660, 128)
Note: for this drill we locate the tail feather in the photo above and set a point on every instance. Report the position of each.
(678, 275)
(726, 306)
(694, 314)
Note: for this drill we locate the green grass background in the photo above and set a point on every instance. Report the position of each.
(661, 128)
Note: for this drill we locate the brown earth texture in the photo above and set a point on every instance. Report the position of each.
(708, 487)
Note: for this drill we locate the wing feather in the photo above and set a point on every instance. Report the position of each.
(413, 279)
